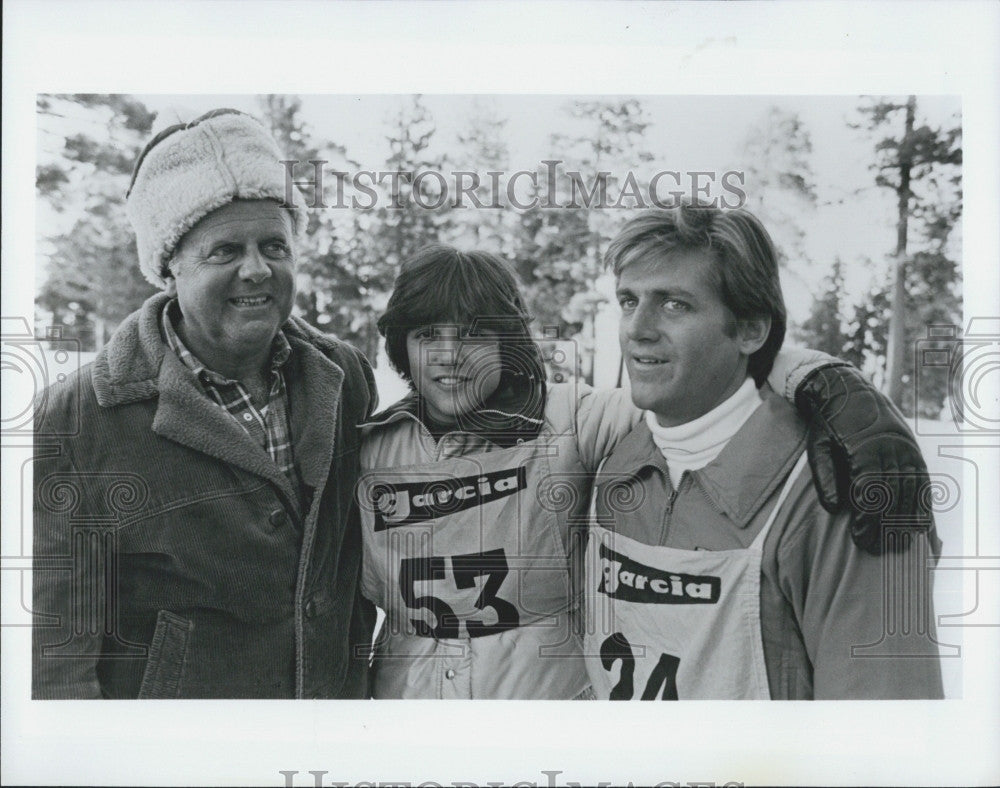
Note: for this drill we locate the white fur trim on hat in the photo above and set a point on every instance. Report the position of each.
(192, 172)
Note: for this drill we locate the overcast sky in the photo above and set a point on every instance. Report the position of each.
(685, 133)
(855, 219)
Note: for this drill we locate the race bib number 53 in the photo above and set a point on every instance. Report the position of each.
(491, 565)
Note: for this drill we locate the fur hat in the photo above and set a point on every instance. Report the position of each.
(189, 170)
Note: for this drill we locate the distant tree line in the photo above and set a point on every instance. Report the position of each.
(348, 258)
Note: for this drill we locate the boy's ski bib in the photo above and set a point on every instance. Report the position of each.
(462, 550)
(668, 624)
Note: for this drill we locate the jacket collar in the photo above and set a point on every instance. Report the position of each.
(509, 416)
(401, 410)
(137, 365)
(746, 472)
(128, 367)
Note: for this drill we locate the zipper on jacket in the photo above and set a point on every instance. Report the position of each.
(669, 509)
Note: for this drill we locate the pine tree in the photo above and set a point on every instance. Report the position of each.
(399, 223)
(410, 216)
(822, 329)
(333, 287)
(88, 145)
(921, 166)
(779, 180)
(482, 149)
(600, 162)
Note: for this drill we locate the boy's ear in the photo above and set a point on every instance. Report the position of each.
(752, 334)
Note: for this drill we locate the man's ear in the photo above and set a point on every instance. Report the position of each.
(752, 334)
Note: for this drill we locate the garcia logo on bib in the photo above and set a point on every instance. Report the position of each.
(631, 581)
(406, 503)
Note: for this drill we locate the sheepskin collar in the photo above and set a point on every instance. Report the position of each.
(137, 365)
(128, 368)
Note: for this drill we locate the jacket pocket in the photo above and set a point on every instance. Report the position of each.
(167, 653)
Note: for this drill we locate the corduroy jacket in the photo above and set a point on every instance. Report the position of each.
(172, 557)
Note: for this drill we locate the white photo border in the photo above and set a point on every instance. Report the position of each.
(592, 48)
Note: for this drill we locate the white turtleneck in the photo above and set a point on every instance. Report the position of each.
(695, 444)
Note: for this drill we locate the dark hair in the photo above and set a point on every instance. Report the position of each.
(440, 285)
(746, 265)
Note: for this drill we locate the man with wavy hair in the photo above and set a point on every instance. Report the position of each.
(715, 570)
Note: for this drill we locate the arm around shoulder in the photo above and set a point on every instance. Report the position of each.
(603, 417)
(792, 365)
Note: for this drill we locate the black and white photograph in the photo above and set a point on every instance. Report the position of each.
(320, 395)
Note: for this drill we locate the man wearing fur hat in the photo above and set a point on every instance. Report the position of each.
(195, 536)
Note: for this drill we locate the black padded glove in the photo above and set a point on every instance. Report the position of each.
(861, 453)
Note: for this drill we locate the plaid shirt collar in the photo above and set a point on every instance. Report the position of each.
(280, 350)
(267, 426)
